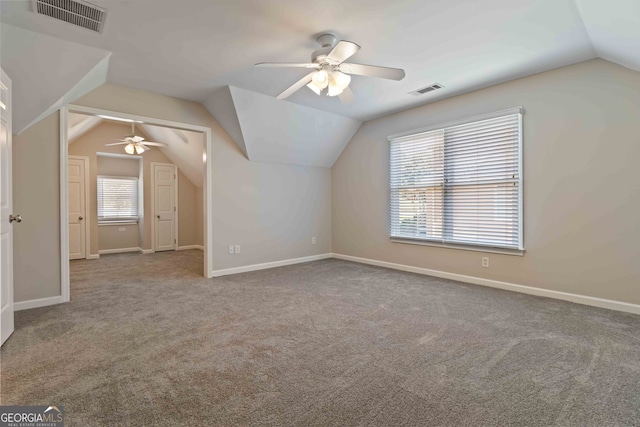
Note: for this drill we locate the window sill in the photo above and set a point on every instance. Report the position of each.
(124, 222)
(486, 249)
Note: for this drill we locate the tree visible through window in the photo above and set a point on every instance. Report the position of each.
(117, 198)
(459, 184)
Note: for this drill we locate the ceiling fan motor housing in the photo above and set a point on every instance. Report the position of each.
(328, 42)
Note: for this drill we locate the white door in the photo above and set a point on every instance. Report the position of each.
(6, 214)
(77, 208)
(165, 206)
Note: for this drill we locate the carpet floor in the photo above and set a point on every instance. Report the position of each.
(147, 341)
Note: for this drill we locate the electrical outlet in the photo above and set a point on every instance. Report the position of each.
(237, 249)
(231, 250)
(313, 240)
(122, 229)
(485, 261)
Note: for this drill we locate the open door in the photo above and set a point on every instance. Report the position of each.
(6, 214)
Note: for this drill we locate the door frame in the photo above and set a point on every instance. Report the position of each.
(153, 203)
(207, 188)
(87, 204)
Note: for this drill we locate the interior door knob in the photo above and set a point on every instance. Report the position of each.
(158, 216)
(80, 218)
(15, 218)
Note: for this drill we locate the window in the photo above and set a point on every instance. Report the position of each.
(459, 184)
(117, 199)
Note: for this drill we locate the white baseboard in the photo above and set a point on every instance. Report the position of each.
(118, 251)
(35, 303)
(566, 296)
(264, 266)
(146, 251)
(188, 247)
(93, 256)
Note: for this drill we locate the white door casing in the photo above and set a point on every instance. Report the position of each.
(164, 206)
(6, 207)
(78, 217)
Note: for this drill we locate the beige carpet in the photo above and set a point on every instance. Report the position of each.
(147, 341)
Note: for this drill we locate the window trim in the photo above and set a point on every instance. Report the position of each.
(411, 134)
(119, 220)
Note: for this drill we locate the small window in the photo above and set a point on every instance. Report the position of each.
(459, 184)
(117, 199)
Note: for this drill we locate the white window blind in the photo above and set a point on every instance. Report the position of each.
(117, 198)
(459, 184)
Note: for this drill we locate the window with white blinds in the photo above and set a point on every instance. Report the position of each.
(460, 184)
(117, 198)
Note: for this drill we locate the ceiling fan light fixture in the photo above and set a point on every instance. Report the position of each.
(320, 79)
(139, 149)
(334, 90)
(129, 148)
(337, 83)
(341, 80)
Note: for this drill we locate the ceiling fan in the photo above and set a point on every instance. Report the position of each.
(330, 70)
(136, 144)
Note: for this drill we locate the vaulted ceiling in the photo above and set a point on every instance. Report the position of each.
(194, 49)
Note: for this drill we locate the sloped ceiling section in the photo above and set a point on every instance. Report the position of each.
(221, 106)
(614, 29)
(185, 149)
(277, 131)
(47, 72)
(79, 124)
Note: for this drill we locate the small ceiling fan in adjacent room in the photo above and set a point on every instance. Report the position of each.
(330, 70)
(135, 144)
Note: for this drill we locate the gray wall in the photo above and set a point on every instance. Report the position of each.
(117, 236)
(271, 210)
(581, 184)
(36, 196)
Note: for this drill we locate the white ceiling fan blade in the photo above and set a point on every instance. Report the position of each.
(346, 96)
(155, 144)
(117, 143)
(137, 139)
(297, 85)
(287, 65)
(343, 51)
(372, 71)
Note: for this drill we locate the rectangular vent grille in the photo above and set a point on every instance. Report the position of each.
(427, 89)
(78, 13)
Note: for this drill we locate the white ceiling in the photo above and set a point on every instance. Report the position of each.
(191, 48)
(204, 51)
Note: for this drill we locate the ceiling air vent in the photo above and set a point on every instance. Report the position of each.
(427, 89)
(78, 13)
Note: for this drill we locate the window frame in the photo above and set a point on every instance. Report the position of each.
(113, 220)
(520, 250)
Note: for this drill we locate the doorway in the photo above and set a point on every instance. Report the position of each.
(163, 214)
